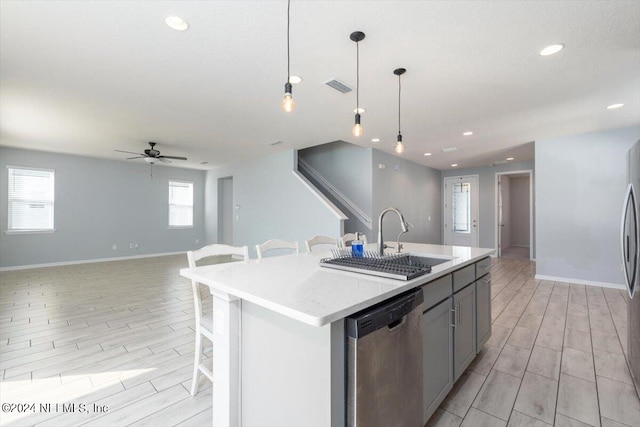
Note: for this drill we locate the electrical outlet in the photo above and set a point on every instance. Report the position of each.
(135, 245)
(114, 247)
(130, 245)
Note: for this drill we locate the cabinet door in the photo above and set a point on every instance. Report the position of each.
(483, 311)
(437, 347)
(465, 329)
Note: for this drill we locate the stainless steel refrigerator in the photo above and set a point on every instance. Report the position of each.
(630, 240)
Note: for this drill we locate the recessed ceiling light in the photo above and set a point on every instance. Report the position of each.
(453, 165)
(614, 106)
(468, 133)
(509, 158)
(359, 110)
(449, 150)
(551, 49)
(176, 23)
(427, 154)
(375, 140)
(294, 80)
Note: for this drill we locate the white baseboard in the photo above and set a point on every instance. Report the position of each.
(580, 281)
(88, 261)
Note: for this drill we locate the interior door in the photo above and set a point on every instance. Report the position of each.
(461, 211)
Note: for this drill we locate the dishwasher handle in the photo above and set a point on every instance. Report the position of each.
(389, 314)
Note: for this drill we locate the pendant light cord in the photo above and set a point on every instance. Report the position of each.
(288, 54)
(357, 77)
(399, 94)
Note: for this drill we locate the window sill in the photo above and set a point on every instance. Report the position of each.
(29, 231)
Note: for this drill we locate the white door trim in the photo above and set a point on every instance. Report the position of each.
(497, 225)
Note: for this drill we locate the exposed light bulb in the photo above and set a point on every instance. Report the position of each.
(399, 145)
(288, 104)
(357, 127)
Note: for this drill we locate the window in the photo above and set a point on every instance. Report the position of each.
(461, 204)
(30, 200)
(180, 204)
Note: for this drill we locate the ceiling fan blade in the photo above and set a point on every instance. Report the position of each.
(129, 152)
(137, 157)
(172, 157)
(163, 159)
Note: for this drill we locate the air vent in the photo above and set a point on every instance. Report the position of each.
(500, 162)
(449, 150)
(338, 85)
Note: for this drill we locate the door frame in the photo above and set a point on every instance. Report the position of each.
(497, 207)
(444, 209)
(221, 209)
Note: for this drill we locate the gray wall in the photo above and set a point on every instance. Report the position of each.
(348, 168)
(487, 195)
(99, 203)
(273, 203)
(413, 188)
(347, 164)
(406, 185)
(580, 187)
(520, 203)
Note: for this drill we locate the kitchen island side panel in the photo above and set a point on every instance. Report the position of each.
(286, 371)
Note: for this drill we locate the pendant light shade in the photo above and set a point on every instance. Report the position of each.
(357, 36)
(399, 148)
(288, 104)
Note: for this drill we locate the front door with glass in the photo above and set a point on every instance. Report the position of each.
(461, 211)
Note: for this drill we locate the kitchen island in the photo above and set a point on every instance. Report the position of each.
(279, 348)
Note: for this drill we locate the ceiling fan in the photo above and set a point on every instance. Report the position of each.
(151, 155)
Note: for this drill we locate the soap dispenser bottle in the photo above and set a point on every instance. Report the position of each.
(357, 247)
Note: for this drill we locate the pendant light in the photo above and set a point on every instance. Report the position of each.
(399, 145)
(357, 36)
(288, 104)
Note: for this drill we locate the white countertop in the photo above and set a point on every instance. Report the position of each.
(297, 287)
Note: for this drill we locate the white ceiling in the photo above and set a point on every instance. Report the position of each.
(90, 77)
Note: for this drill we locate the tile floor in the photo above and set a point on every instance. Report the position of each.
(515, 252)
(118, 338)
(555, 357)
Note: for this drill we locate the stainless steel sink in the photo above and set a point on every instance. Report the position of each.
(400, 267)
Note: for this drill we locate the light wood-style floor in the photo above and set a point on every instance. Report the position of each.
(117, 338)
(515, 252)
(555, 357)
(118, 334)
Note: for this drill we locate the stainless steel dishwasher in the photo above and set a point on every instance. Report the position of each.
(384, 364)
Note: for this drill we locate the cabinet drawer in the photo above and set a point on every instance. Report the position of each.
(436, 291)
(463, 277)
(483, 267)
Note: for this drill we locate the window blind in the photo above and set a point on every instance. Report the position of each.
(30, 199)
(180, 204)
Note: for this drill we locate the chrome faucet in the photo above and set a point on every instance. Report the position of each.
(403, 224)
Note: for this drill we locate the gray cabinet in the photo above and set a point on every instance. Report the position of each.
(437, 348)
(464, 343)
(483, 311)
(457, 323)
